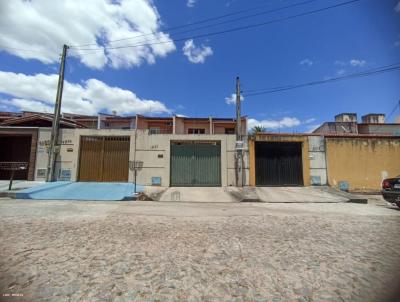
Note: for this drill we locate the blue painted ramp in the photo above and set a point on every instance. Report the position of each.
(67, 190)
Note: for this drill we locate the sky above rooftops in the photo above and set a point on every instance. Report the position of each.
(138, 56)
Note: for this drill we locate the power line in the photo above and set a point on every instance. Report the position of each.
(383, 69)
(184, 25)
(377, 127)
(206, 21)
(394, 110)
(227, 30)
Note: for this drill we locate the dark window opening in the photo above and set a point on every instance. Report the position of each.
(197, 131)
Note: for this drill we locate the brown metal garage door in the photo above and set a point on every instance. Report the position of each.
(104, 158)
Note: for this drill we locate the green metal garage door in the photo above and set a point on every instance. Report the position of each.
(195, 164)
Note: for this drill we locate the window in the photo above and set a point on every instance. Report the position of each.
(196, 131)
(229, 130)
(154, 130)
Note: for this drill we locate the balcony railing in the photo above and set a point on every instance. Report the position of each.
(159, 131)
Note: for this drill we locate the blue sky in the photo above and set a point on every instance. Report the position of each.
(194, 78)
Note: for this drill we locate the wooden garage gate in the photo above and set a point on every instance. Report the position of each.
(104, 158)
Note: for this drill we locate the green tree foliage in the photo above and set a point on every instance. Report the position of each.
(256, 129)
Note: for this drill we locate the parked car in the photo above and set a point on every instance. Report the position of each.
(391, 190)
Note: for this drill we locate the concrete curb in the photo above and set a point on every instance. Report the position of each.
(303, 202)
(249, 194)
(251, 200)
(351, 198)
(358, 200)
(9, 194)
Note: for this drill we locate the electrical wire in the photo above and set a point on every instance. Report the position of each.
(183, 26)
(205, 21)
(376, 127)
(394, 110)
(383, 69)
(227, 30)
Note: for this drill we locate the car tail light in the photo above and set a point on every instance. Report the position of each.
(386, 184)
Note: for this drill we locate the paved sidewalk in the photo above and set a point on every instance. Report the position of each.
(202, 194)
(67, 190)
(297, 194)
(261, 194)
(19, 184)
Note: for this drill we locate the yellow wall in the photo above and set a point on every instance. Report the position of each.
(362, 162)
(252, 163)
(273, 138)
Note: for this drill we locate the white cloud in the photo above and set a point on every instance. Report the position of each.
(43, 26)
(196, 54)
(344, 66)
(309, 121)
(191, 3)
(341, 72)
(37, 93)
(286, 122)
(30, 105)
(352, 62)
(231, 100)
(397, 7)
(307, 62)
(357, 63)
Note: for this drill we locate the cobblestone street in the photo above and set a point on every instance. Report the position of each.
(147, 251)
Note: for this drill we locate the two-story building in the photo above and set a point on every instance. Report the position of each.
(168, 151)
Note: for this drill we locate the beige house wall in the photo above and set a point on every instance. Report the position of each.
(179, 125)
(152, 150)
(66, 159)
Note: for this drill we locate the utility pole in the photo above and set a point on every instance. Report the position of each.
(239, 145)
(238, 114)
(134, 156)
(54, 148)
